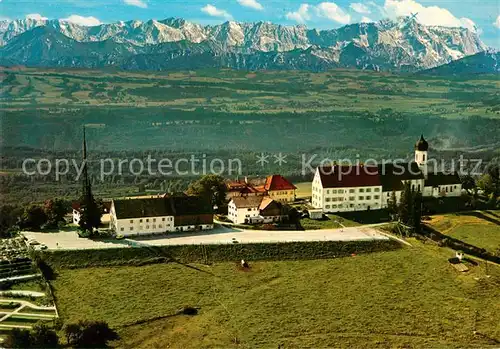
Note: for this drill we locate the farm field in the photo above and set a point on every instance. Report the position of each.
(408, 298)
(225, 114)
(478, 228)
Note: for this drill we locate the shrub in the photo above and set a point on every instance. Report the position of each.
(189, 311)
(89, 334)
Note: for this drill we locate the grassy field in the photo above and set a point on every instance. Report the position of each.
(225, 115)
(406, 298)
(329, 221)
(303, 189)
(478, 228)
(237, 91)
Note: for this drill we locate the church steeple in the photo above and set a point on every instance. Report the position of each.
(421, 148)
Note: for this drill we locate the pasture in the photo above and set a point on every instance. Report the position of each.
(409, 298)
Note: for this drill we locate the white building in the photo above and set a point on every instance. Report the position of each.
(346, 188)
(145, 216)
(359, 188)
(254, 209)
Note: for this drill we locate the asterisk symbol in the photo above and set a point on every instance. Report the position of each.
(262, 159)
(280, 159)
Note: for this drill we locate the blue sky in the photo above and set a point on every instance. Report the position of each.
(482, 16)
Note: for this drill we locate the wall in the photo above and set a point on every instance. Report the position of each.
(146, 225)
(282, 195)
(213, 253)
(347, 199)
(238, 215)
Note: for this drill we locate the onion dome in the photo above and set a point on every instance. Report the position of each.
(422, 144)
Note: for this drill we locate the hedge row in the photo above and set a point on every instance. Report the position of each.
(213, 253)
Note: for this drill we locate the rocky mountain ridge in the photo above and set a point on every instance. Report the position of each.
(396, 45)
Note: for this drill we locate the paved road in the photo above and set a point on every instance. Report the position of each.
(68, 240)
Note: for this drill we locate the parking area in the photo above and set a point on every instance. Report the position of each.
(69, 240)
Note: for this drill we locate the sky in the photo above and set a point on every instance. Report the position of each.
(481, 16)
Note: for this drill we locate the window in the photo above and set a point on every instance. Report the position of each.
(351, 205)
(334, 191)
(140, 227)
(361, 190)
(249, 209)
(376, 190)
(327, 199)
(154, 226)
(368, 190)
(341, 191)
(147, 226)
(328, 191)
(160, 226)
(376, 197)
(327, 206)
(131, 221)
(361, 198)
(140, 221)
(368, 197)
(163, 219)
(121, 229)
(455, 187)
(334, 206)
(352, 198)
(351, 190)
(154, 219)
(131, 228)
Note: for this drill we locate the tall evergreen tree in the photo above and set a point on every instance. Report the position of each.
(417, 212)
(405, 204)
(392, 205)
(90, 212)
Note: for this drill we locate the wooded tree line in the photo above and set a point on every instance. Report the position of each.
(82, 334)
(33, 217)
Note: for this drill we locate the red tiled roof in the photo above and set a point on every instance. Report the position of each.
(236, 185)
(349, 176)
(278, 182)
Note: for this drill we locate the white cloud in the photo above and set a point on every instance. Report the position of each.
(85, 21)
(331, 11)
(137, 3)
(252, 4)
(215, 12)
(366, 20)
(497, 22)
(328, 10)
(360, 8)
(301, 15)
(430, 15)
(36, 16)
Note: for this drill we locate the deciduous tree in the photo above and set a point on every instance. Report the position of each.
(212, 187)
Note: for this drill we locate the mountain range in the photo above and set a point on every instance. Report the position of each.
(391, 45)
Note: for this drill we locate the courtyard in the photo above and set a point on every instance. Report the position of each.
(69, 240)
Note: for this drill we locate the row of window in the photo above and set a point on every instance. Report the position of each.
(160, 226)
(169, 219)
(450, 188)
(346, 206)
(352, 198)
(281, 192)
(360, 190)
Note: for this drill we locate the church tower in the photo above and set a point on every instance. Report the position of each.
(421, 148)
